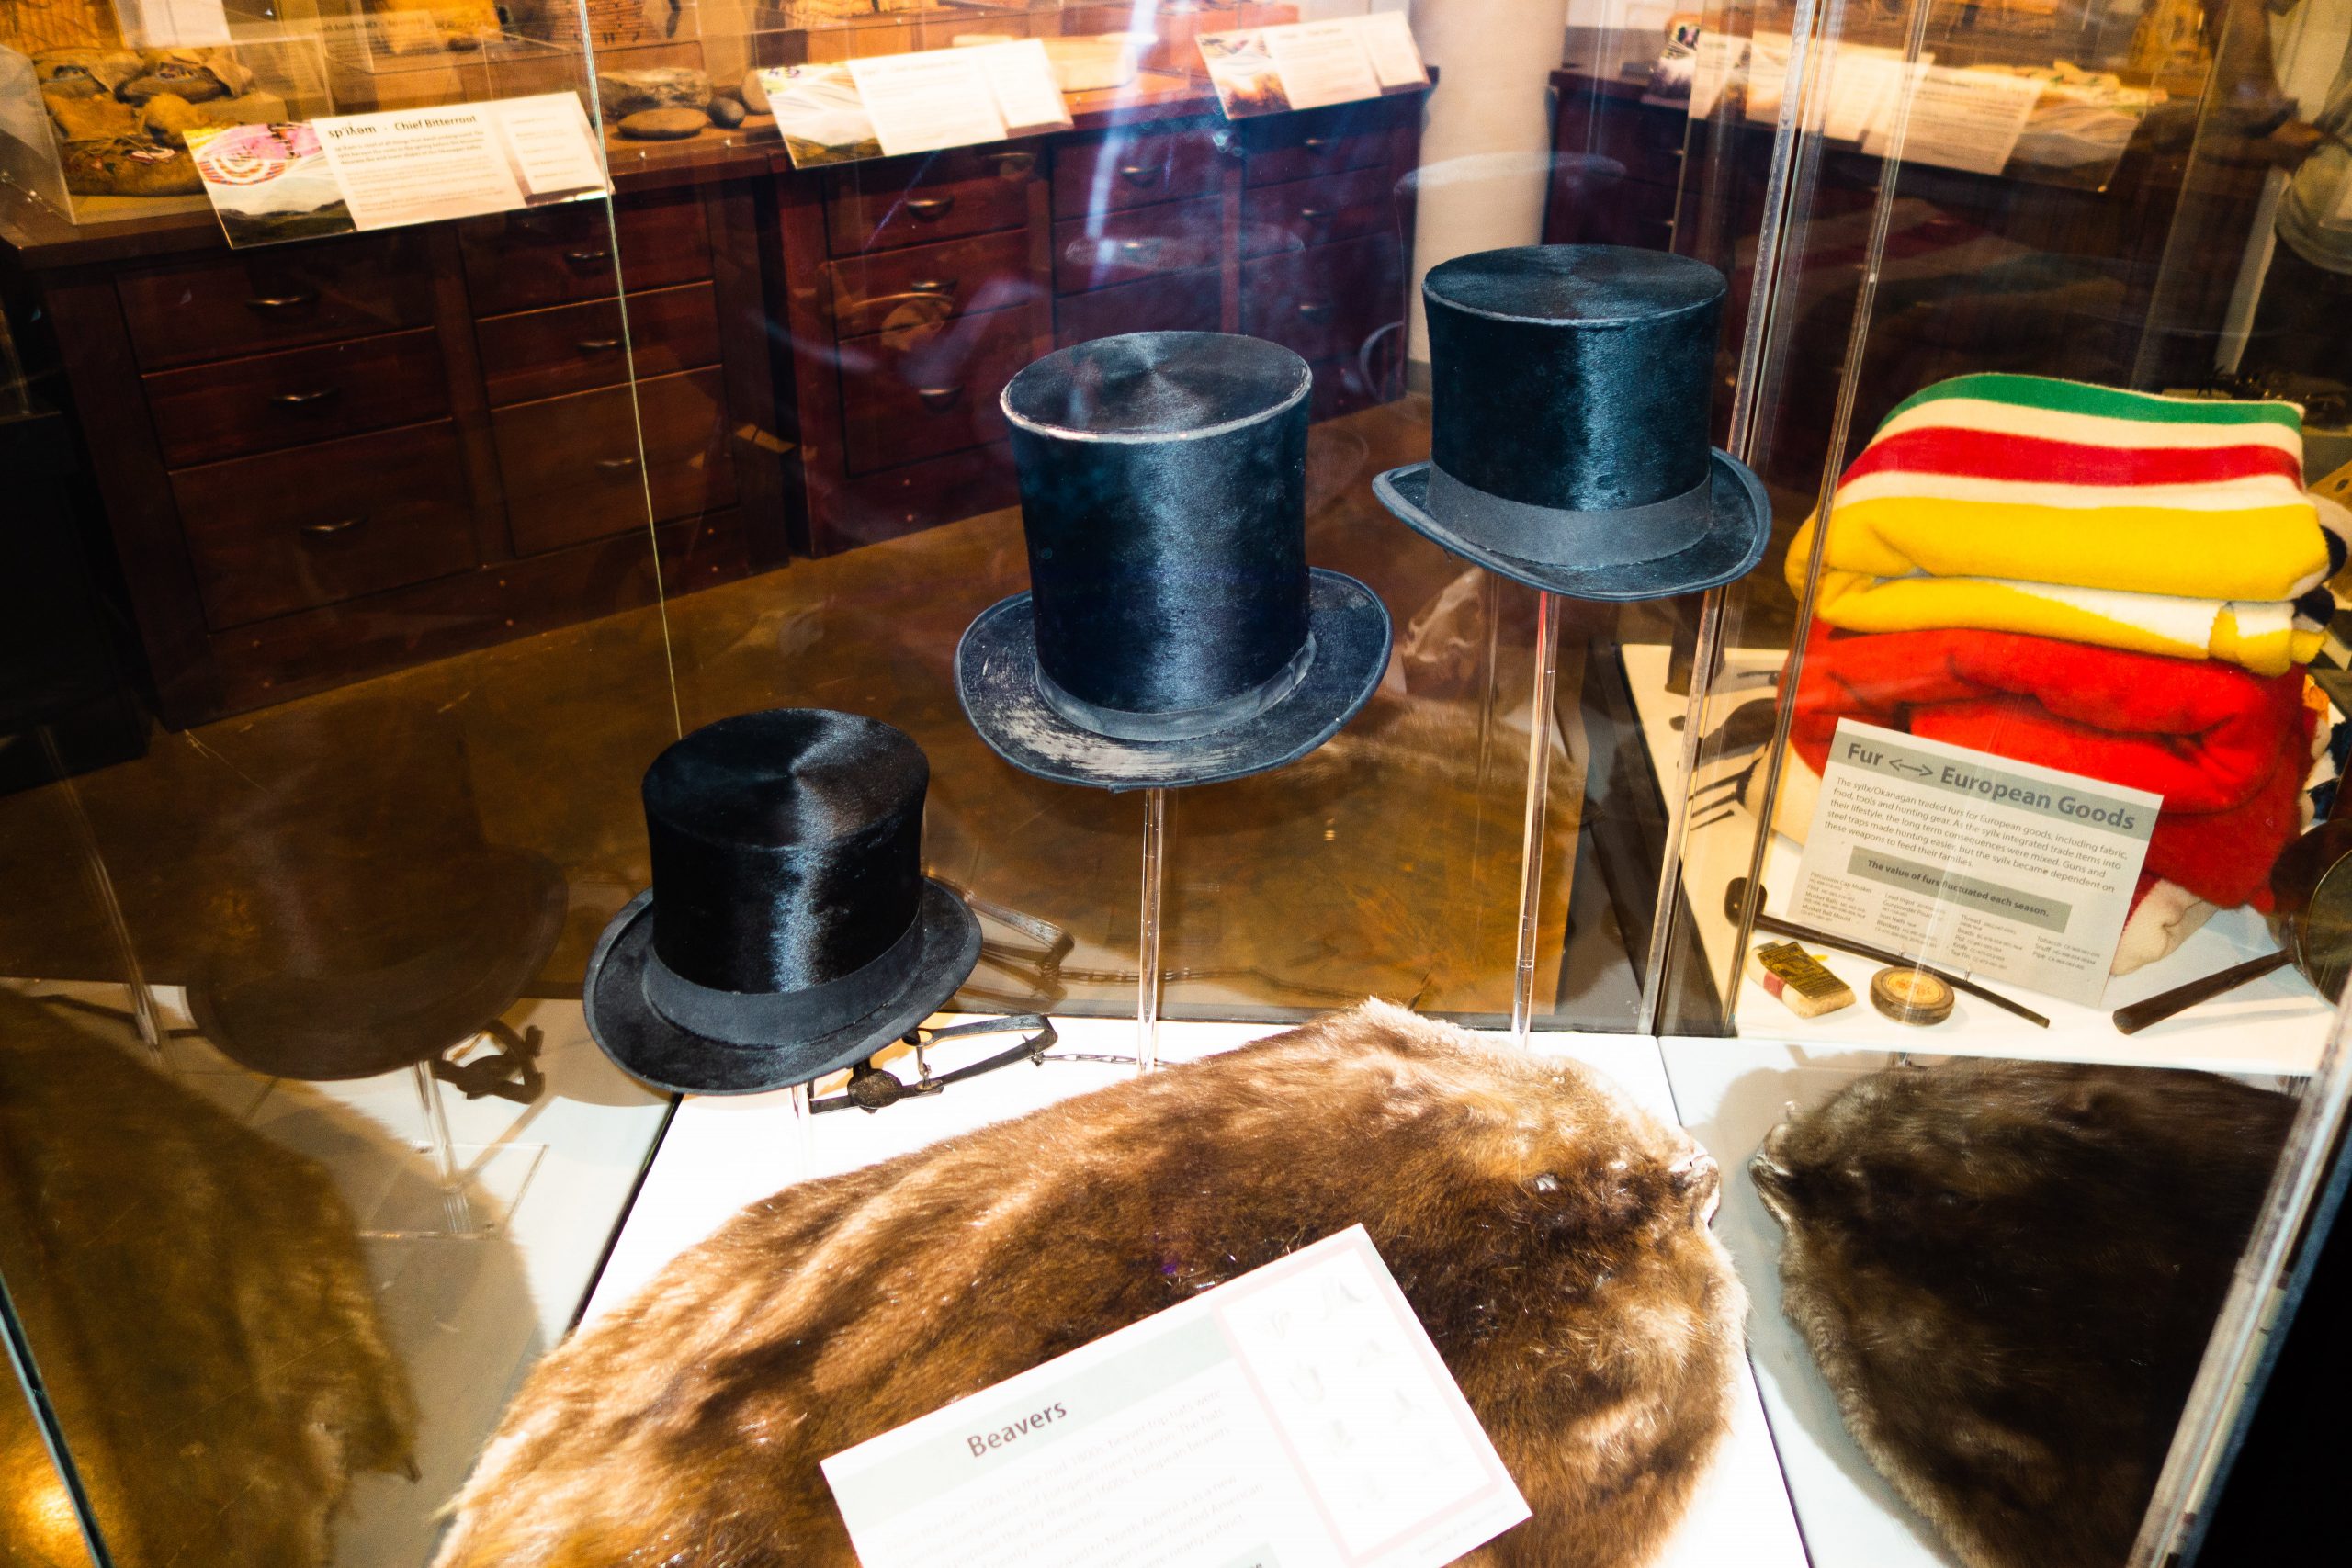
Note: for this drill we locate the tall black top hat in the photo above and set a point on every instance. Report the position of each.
(1572, 386)
(789, 929)
(1174, 633)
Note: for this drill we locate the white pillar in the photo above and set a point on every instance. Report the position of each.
(1485, 150)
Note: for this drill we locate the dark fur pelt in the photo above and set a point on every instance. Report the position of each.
(2007, 1272)
(1551, 1237)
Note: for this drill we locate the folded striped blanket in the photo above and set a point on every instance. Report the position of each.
(2165, 526)
(2229, 751)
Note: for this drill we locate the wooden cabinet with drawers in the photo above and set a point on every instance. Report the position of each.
(323, 460)
(917, 287)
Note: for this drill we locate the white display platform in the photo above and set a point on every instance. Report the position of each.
(2276, 1024)
(720, 1154)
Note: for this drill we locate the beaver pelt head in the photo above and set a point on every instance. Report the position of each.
(2007, 1272)
(1551, 1237)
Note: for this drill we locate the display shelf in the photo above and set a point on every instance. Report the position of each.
(2276, 1024)
(721, 1154)
(1728, 1094)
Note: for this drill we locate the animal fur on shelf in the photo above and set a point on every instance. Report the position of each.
(2007, 1272)
(1551, 1237)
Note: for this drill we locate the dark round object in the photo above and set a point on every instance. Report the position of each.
(789, 930)
(1911, 996)
(1572, 389)
(724, 112)
(1173, 633)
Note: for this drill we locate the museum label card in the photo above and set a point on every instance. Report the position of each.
(923, 102)
(270, 184)
(1297, 1417)
(1972, 862)
(1959, 119)
(1304, 65)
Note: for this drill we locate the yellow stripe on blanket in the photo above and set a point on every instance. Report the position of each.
(2261, 637)
(2262, 552)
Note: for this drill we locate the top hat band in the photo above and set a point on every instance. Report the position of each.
(1183, 724)
(753, 1018)
(1624, 536)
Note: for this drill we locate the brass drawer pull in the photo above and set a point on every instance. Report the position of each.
(341, 525)
(939, 400)
(597, 344)
(588, 257)
(1134, 247)
(1319, 310)
(293, 302)
(616, 464)
(1312, 214)
(930, 208)
(1316, 143)
(306, 399)
(934, 286)
(1139, 173)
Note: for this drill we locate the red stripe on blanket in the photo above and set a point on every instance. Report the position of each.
(1984, 453)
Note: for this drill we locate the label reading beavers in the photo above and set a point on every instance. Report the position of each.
(1974, 863)
(1295, 1418)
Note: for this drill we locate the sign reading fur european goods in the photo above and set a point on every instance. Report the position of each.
(1297, 1416)
(1991, 867)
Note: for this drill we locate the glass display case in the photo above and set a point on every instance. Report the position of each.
(352, 584)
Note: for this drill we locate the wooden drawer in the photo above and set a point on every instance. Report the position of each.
(297, 396)
(555, 256)
(280, 297)
(1134, 168)
(573, 348)
(571, 465)
(1645, 140)
(1120, 247)
(926, 285)
(937, 196)
(295, 530)
(1300, 213)
(1282, 148)
(903, 398)
(1590, 209)
(1181, 302)
(867, 509)
(1327, 302)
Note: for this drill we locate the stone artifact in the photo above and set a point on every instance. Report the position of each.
(725, 112)
(664, 125)
(755, 97)
(625, 92)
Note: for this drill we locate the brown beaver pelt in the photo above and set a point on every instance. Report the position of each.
(2007, 1272)
(1551, 1237)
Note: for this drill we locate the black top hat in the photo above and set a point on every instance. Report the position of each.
(1174, 633)
(789, 929)
(1571, 385)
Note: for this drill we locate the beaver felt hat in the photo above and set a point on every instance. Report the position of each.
(789, 930)
(1571, 386)
(1174, 633)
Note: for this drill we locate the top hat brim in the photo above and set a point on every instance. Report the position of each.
(1729, 549)
(652, 1048)
(996, 667)
(341, 1023)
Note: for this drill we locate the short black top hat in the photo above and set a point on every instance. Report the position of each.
(789, 929)
(1174, 633)
(1572, 386)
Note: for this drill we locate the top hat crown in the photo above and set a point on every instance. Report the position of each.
(1173, 632)
(789, 929)
(1572, 387)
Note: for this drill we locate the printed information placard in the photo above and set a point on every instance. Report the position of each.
(273, 183)
(887, 105)
(1306, 65)
(1295, 1418)
(1972, 862)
